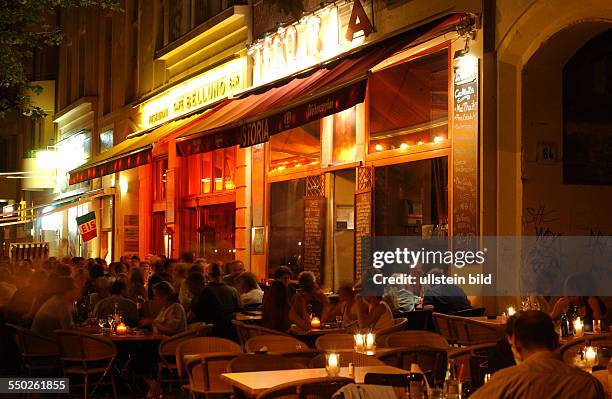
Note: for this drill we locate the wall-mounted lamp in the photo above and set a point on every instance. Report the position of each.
(464, 51)
(123, 186)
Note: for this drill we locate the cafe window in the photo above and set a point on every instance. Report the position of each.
(160, 167)
(287, 224)
(296, 147)
(344, 136)
(409, 103)
(411, 199)
(218, 171)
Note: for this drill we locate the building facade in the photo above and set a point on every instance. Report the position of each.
(487, 118)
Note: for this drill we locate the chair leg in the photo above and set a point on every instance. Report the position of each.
(85, 387)
(114, 386)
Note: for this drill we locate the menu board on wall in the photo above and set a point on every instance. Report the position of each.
(465, 151)
(363, 225)
(314, 234)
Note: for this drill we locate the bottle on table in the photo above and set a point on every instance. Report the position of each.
(452, 386)
(564, 325)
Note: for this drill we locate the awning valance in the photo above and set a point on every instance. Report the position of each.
(134, 151)
(328, 88)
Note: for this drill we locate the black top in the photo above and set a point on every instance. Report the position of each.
(217, 305)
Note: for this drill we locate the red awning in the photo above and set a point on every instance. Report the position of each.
(320, 91)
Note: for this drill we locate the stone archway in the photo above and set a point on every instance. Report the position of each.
(543, 34)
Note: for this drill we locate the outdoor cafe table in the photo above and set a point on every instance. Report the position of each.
(255, 382)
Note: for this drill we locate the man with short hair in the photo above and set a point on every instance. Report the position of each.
(217, 304)
(234, 269)
(125, 307)
(541, 373)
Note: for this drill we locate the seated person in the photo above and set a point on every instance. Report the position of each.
(348, 307)
(307, 301)
(56, 312)
(233, 270)
(501, 356)
(217, 304)
(283, 274)
(171, 319)
(250, 292)
(276, 307)
(541, 373)
(588, 308)
(117, 301)
(445, 298)
(376, 315)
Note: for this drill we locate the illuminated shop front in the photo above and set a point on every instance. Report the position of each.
(160, 197)
(344, 136)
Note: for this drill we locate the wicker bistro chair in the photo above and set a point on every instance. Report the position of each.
(358, 359)
(167, 352)
(314, 388)
(204, 372)
(399, 324)
(273, 343)
(247, 331)
(335, 341)
(445, 327)
(39, 354)
(415, 339)
(196, 347)
(86, 355)
(302, 356)
(432, 361)
(474, 360)
(472, 332)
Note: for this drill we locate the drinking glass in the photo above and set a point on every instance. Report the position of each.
(339, 320)
(597, 326)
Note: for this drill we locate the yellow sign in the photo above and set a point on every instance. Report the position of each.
(205, 89)
(315, 38)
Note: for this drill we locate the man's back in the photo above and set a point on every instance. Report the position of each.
(542, 376)
(217, 304)
(54, 314)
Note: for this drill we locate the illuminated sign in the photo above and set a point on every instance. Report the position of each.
(205, 89)
(326, 33)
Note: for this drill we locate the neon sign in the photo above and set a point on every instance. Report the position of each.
(326, 33)
(205, 89)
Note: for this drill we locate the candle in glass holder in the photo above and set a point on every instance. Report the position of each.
(359, 342)
(590, 356)
(332, 364)
(121, 329)
(370, 343)
(597, 326)
(511, 311)
(315, 322)
(578, 327)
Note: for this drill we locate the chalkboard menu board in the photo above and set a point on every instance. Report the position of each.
(363, 225)
(465, 152)
(314, 234)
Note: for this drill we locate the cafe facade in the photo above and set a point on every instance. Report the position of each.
(348, 130)
(290, 142)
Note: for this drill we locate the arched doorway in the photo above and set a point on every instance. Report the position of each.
(566, 138)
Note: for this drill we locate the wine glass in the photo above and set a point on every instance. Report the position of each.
(101, 323)
(339, 321)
